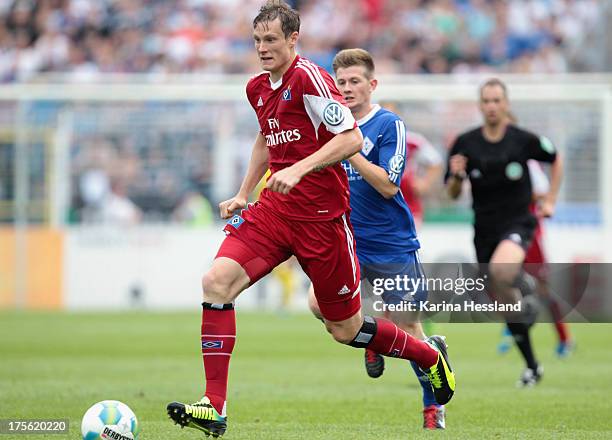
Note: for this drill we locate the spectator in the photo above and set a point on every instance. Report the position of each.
(205, 36)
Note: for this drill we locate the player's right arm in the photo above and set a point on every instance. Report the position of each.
(457, 166)
(375, 175)
(385, 175)
(456, 171)
(258, 165)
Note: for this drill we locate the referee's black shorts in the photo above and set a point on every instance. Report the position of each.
(519, 230)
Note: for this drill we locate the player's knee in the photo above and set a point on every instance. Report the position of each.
(344, 332)
(216, 288)
(343, 335)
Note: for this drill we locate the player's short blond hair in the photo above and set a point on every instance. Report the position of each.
(354, 57)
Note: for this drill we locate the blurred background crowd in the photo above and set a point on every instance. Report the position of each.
(84, 37)
(156, 161)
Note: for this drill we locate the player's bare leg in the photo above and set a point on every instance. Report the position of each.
(221, 285)
(504, 269)
(225, 280)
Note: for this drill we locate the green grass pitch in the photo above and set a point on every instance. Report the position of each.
(289, 380)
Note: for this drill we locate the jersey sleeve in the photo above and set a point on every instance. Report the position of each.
(322, 100)
(250, 93)
(541, 149)
(392, 149)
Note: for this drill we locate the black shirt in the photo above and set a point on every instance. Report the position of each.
(498, 173)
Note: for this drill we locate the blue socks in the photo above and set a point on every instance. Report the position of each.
(428, 395)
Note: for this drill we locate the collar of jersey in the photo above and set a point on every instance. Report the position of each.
(370, 115)
(276, 85)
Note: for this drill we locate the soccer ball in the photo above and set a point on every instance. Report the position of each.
(110, 420)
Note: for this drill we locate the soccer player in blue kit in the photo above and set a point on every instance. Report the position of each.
(384, 228)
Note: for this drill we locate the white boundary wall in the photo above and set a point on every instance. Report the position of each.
(103, 265)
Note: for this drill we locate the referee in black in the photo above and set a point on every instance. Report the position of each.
(494, 157)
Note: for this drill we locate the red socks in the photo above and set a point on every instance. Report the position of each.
(390, 340)
(218, 339)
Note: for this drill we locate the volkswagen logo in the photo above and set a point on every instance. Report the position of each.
(333, 114)
(396, 163)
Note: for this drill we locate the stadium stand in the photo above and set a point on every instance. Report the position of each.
(85, 38)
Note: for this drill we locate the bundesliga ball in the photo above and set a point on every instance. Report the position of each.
(110, 420)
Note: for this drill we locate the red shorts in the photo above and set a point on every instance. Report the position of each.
(259, 239)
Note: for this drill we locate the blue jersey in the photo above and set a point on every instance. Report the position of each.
(384, 228)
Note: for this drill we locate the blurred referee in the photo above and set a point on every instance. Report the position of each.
(494, 157)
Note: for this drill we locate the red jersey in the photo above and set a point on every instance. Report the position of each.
(298, 115)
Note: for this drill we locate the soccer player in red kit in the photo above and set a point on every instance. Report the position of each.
(305, 131)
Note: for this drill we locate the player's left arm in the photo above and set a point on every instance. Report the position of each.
(340, 147)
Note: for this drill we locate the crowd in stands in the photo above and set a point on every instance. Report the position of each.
(87, 37)
(164, 174)
(155, 176)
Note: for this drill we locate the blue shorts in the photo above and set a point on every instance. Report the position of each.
(396, 282)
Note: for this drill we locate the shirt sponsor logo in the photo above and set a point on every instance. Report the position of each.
(351, 172)
(333, 114)
(282, 137)
(275, 138)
